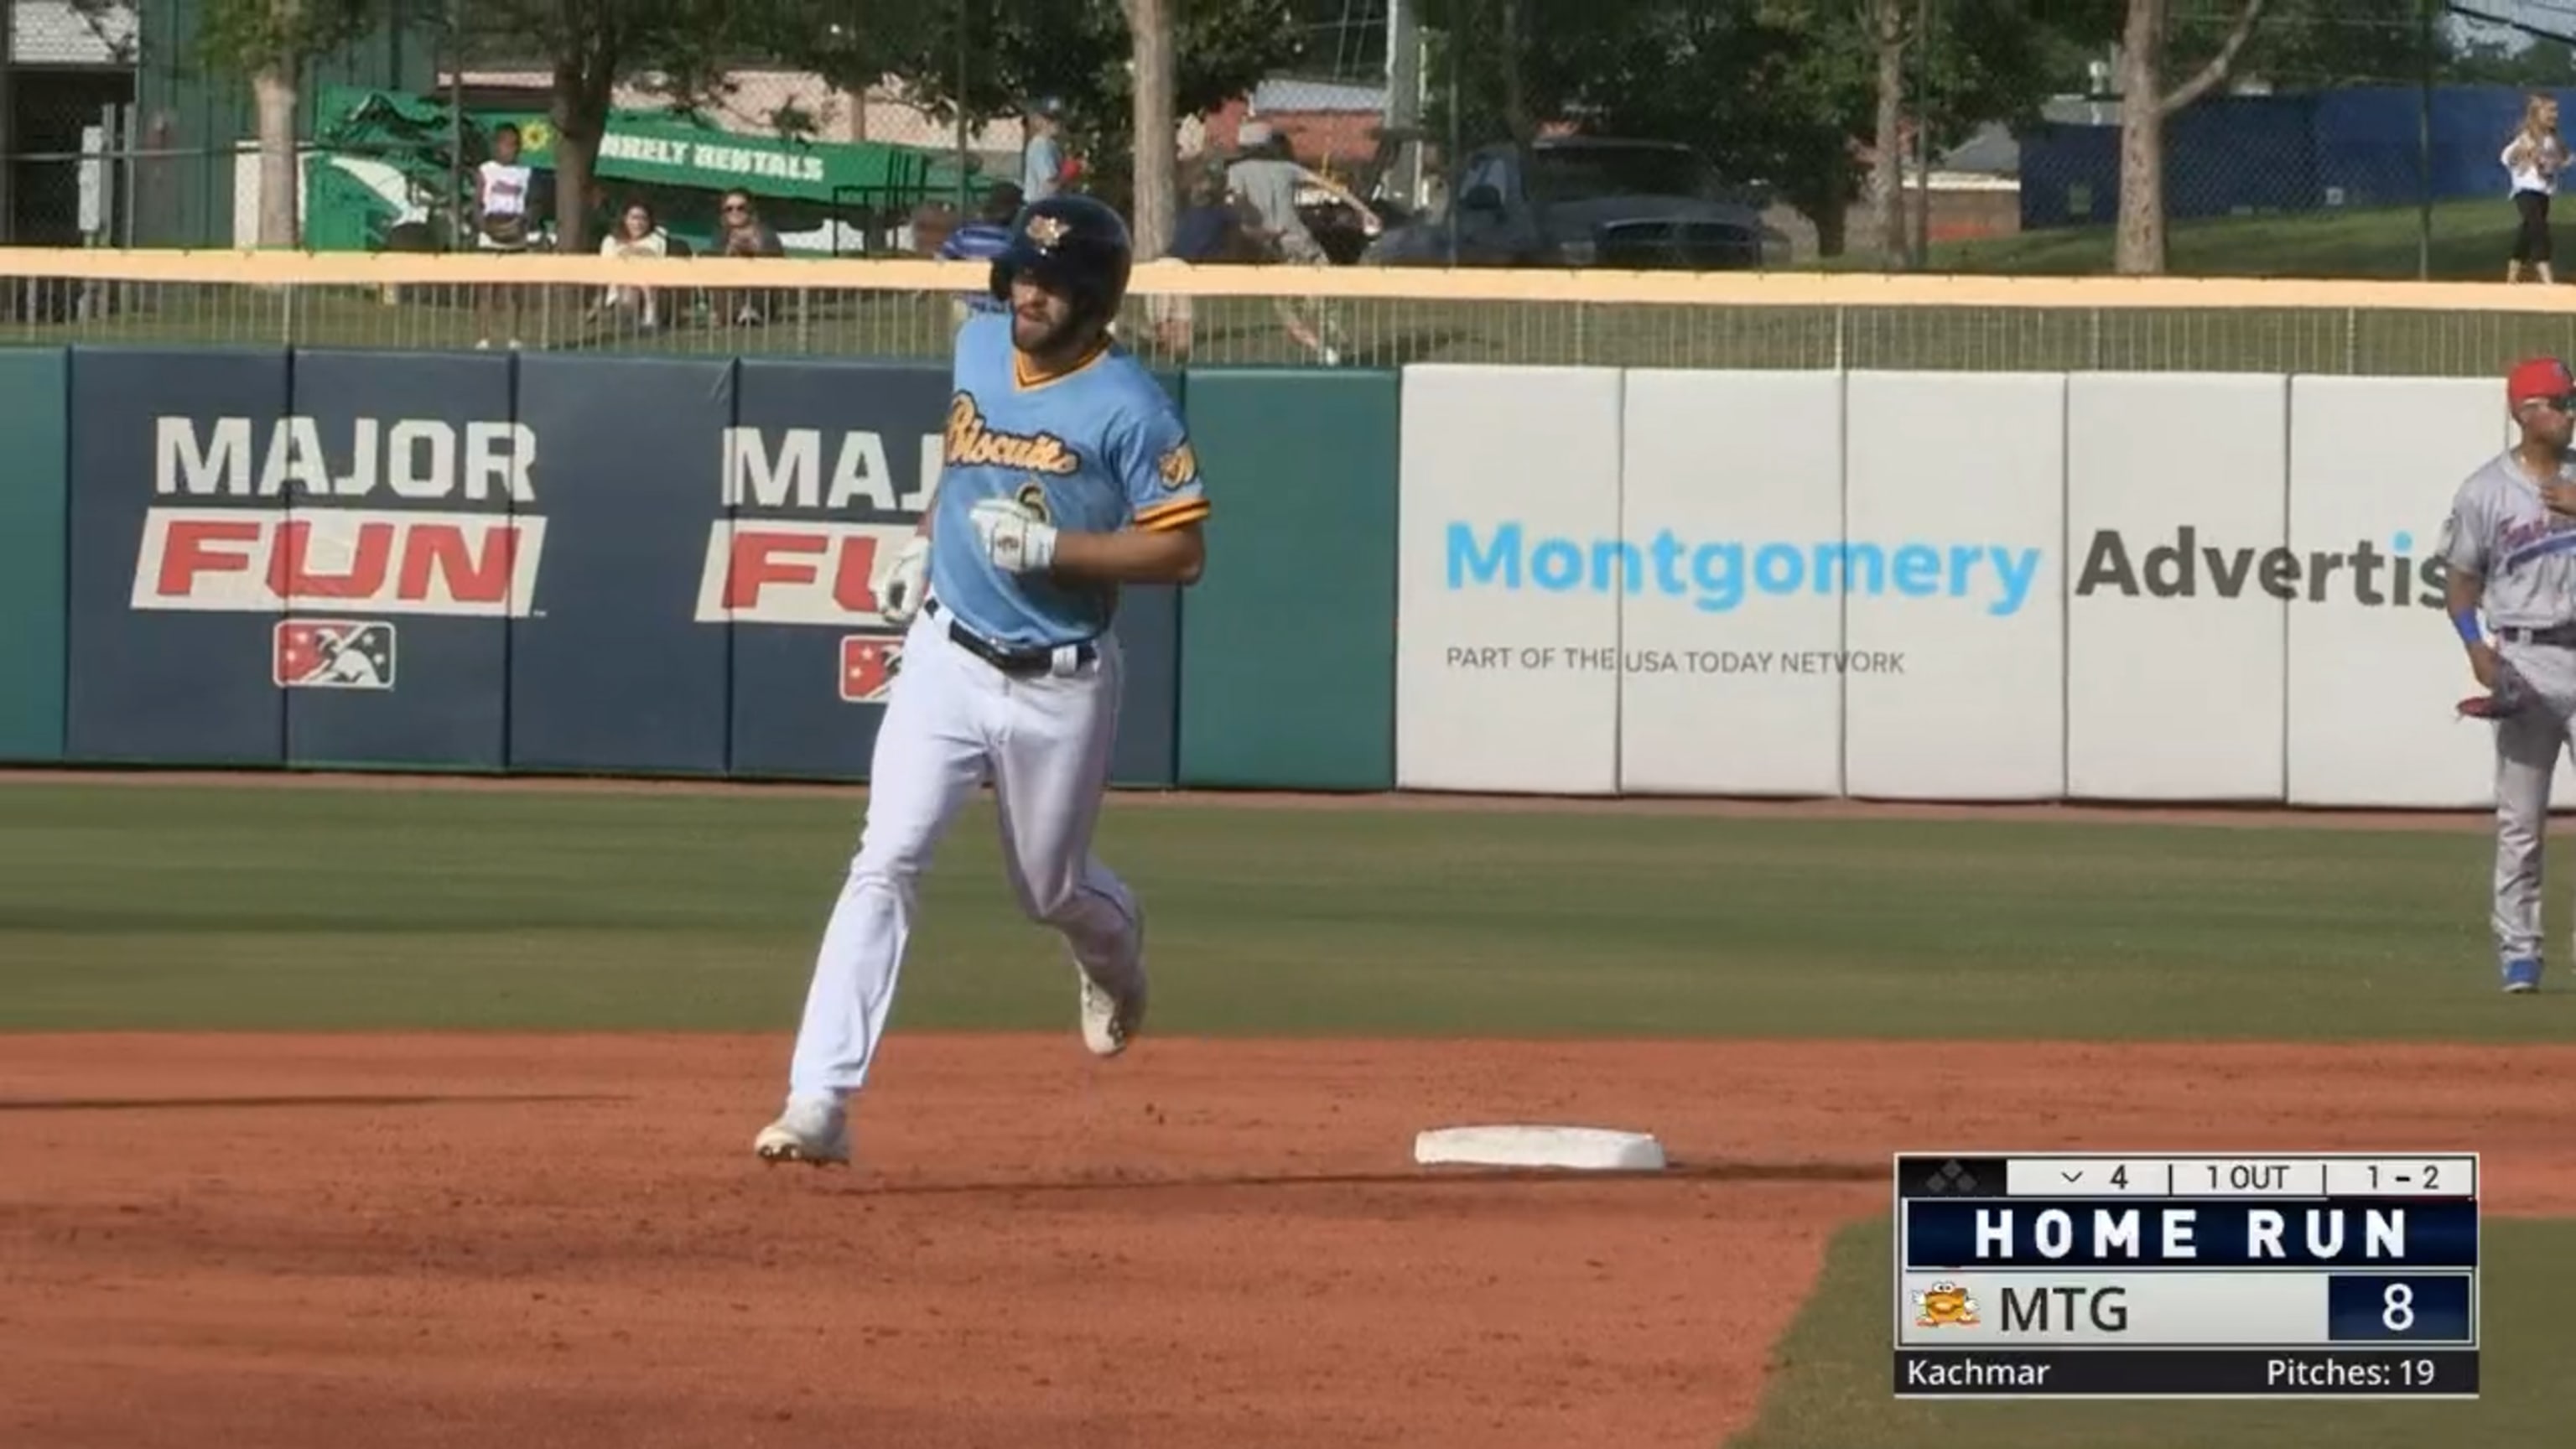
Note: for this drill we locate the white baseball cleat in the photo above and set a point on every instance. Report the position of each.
(1110, 1020)
(812, 1132)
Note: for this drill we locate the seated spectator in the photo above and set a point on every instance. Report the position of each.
(928, 228)
(742, 233)
(637, 234)
(981, 240)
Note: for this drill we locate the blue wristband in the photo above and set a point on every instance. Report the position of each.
(2466, 621)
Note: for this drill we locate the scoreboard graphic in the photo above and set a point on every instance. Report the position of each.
(2322, 1275)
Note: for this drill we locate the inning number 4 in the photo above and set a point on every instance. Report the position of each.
(2397, 1308)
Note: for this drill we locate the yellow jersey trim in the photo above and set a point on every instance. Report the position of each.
(1164, 517)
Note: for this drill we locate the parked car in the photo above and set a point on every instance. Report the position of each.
(1587, 201)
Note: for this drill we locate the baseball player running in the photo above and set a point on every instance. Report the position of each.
(2509, 545)
(1066, 472)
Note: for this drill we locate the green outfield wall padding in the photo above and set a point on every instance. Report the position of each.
(34, 488)
(1288, 640)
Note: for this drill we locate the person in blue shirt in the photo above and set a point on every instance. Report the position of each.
(984, 238)
(1042, 157)
(1067, 474)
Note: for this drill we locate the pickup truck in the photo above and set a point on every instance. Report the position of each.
(1584, 201)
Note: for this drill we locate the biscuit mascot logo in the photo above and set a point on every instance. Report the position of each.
(1945, 1305)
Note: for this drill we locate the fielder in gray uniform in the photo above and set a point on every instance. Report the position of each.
(2510, 546)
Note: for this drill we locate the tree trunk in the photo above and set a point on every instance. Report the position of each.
(2144, 105)
(1516, 111)
(579, 111)
(273, 96)
(1149, 26)
(1887, 175)
(1831, 218)
(2140, 250)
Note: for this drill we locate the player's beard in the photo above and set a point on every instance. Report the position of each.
(1048, 342)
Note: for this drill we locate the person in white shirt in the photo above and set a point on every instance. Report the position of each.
(504, 188)
(2533, 158)
(637, 235)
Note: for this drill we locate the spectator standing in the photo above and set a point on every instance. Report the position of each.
(1266, 176)
(981, 240)
(637, 234)
(1042, 159)
(740, 232)
(2533, 158)
(504, 197)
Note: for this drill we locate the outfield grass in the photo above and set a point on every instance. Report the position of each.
(309, 908)
(1831, 1382)
(2470, 241)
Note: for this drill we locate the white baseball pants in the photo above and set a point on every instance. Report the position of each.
(952, 721)
(2527, 748)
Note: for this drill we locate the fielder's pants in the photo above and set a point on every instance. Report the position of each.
(2527, 747)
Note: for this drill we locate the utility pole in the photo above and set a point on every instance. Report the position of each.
(2424, 142)
(1922, 134)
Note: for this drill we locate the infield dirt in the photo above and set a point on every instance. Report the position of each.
(411, 1240)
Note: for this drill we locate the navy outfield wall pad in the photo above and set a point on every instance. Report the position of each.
(416, 527)
(614, 670)
(824, 473)
(174, 626)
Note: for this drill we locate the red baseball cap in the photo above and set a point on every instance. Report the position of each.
(2539, 377)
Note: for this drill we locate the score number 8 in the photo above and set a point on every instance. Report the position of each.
(2397, 1308)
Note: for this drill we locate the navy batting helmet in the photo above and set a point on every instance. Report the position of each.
(1075, 243)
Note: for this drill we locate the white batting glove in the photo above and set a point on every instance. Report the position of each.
(900, 596)
(1013, 537)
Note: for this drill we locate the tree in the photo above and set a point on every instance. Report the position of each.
(675, 48)
(1149, 26)
(2144, 105)
(1889, 33)
(271, 42)
(1080, 54)
(1780, 95)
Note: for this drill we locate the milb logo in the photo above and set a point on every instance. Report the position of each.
(332, 654)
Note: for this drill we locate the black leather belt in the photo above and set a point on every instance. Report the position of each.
(2556, 636)
(1036, 659)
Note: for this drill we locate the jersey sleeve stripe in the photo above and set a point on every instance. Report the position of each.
(1173, 515)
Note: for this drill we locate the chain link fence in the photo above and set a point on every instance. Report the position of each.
(2357, 142)
(822, 309)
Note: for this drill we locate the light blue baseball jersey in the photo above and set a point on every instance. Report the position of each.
(1098, 448)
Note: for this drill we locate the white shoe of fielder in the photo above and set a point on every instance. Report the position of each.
(810, 1130)
(1111, 1019)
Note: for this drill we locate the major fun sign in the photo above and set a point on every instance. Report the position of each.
(403, 562)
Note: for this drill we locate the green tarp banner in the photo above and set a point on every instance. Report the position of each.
(664, 150)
